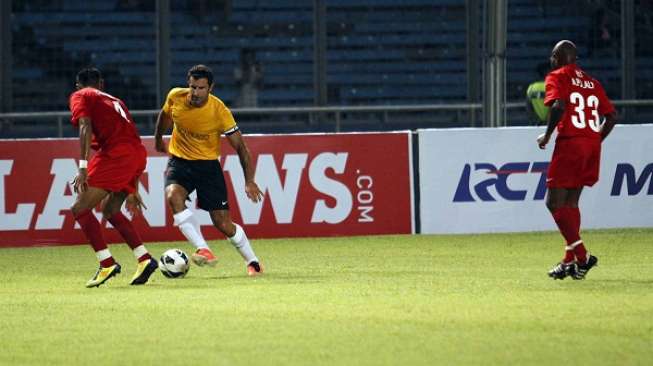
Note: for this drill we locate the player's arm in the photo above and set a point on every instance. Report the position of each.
(238, 143)
(134, 202)
(553, 117)
(606, 109)
(608, 124)
(85, 136)
(163, 124)
(554, 99)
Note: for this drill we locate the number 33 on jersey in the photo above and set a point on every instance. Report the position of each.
(585, 101)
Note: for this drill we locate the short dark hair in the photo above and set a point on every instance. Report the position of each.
(89, 76)
(201, 72)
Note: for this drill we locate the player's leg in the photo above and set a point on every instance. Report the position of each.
(111, 212)
(556, 202)
(180, 182)
(571, 203)
(237, 237)
(584, 259)
(82, 212)
(590, 151)
(555, 198)
(185, 220)
(212, 197)
(562, 180)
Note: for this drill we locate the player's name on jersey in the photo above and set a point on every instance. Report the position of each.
(585, 84)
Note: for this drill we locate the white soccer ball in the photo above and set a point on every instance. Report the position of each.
(174, 263)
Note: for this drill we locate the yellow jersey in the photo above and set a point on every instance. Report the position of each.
(197, 130)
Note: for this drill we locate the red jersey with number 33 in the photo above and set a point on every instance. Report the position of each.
(585, 101)
(111, 122)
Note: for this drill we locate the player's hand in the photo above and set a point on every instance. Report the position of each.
(80, 183)
(134, 204)
(542, 140)
(253, 192)
(160, 145)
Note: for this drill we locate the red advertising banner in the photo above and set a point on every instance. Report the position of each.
(314, 185)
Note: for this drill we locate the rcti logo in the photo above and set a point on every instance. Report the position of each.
(498, 178)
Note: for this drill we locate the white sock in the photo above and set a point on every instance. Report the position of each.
(240, 242)
(197, 226)
(139, 251)
(103, 254)
(190, 228)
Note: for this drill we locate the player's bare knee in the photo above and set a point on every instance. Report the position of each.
(108, 211)
(220, 226)
(170, 200)
(77, 208)
(111, 207)
(228, 230)
(175, 201)
(176, 205)
(74, 209)
(550, 205)
(224, 225)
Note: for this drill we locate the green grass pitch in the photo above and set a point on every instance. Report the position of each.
(378, 300)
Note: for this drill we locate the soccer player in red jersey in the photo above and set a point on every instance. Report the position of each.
(577, 102)
(111, 176)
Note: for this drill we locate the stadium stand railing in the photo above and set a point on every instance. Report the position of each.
(379, 52)
(280, 119)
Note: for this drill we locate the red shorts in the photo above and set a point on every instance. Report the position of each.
(117, 168)
(575, 163)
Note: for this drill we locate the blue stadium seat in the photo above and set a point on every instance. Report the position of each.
(287, 96)
(393, 3)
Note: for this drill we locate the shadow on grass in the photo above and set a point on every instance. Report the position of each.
(201, 282)
(286, 278)
(624, 281)
(613, 286)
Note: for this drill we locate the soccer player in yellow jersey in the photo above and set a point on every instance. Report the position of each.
(199, 119)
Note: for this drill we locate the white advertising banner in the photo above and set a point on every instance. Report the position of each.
(494, 180)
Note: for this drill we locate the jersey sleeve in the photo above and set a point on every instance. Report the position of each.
(170, 101)
(553, 89)
(227, 120)
(79, 107)
(605, 106)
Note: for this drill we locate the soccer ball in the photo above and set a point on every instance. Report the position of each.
(174, 263)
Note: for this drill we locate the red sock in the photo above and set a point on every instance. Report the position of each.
(564, 218)
(126, 229)
(91, 227)
(569, 256)
(579, 250)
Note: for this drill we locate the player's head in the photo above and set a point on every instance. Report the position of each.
(89, 77)
(564, 53)
(200, 83)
